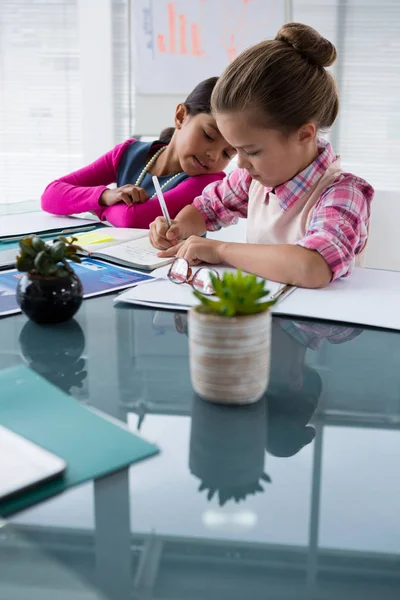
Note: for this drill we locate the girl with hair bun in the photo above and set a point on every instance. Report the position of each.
(307, 220)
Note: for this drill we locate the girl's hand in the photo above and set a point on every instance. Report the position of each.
(197, 250)
(163, 237)
(130, 194)
(181, 323)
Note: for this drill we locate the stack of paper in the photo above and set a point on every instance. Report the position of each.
(19, 225)
(368, 297)
(171, 296)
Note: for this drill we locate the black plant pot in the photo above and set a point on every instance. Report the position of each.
(49, 299)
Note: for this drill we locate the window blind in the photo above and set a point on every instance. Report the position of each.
(40, 96)
(123, 76)
(367, 36)
(40, 88)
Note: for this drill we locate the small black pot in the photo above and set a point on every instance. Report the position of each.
(49, 299)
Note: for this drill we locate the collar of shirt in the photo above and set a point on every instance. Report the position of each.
(288, 193)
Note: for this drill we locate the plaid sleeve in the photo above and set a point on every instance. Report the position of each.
(339, 227)
(222, 203)
(312, 334)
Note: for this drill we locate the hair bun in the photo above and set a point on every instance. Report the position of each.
(308, 42)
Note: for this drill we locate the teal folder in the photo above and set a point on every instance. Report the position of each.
(92, 445)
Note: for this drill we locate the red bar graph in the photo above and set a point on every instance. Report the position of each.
(232, 50)
(172, 27)
(161, 47)
(196, 49)
(182, 34)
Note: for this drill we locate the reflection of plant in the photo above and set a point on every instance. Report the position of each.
(47, 260)
(237, 493)
(237, 295)
(56, 353)
(227, 449)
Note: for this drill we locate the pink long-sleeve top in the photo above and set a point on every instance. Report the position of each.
(80, 191)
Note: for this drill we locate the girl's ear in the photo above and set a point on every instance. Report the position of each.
(181, 114)
(307, 133)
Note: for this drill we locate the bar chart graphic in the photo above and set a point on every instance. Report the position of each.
(183, 36)
(178, 43)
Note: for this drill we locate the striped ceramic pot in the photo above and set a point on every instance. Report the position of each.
(229, 356)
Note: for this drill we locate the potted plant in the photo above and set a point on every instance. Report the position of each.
(229, 340)
(49, 290)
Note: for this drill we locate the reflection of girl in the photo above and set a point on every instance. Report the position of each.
(312, 335)
(289, 412)
(294, 388)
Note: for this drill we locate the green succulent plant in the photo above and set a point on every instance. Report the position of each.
(235, 295)
(47, 260)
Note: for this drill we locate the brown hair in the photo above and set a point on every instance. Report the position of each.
(283, 79)
(198, 101)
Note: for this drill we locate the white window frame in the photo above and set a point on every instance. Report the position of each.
(96, 63)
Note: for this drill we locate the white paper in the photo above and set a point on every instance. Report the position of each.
(7, 313)
(368, 297)
(8, 258)
(26, 223)
(161, 293)
(171, 296)
(139, 252)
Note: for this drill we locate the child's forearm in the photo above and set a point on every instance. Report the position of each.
(284, 263)
(62, 198)
(190, 222)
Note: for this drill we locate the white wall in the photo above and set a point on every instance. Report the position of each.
(383, 250)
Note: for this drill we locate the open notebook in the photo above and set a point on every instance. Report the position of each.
(125, 247)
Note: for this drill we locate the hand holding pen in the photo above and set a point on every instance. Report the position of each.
(164, 232)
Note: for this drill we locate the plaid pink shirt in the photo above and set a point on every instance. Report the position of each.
(313, 334)
(340, 221)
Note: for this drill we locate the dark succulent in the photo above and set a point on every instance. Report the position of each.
(47, 260)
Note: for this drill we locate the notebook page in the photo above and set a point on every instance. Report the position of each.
(138, 252)
(108, 237)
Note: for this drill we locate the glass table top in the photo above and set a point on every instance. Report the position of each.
(296, 496)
